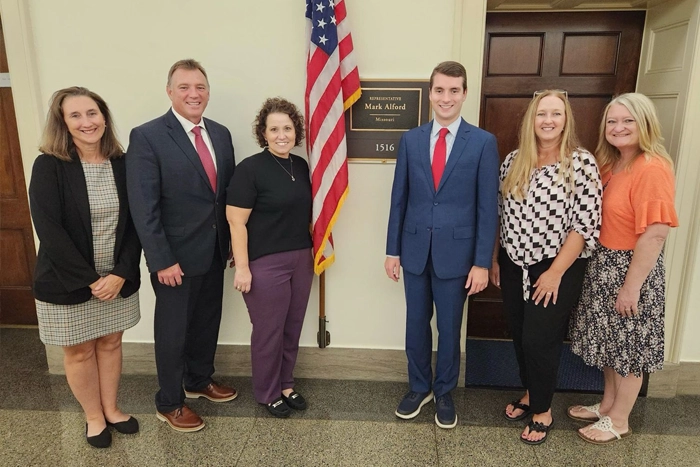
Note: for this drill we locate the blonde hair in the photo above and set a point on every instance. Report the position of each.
(518, 178)
(650, 140)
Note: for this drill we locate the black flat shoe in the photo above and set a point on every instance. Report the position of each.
(295, 400)
(103, 440)
(128, 427)
(279, 408)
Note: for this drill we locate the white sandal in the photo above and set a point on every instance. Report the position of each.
(595, 409)
(605, 425)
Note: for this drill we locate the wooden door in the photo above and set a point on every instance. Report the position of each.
(591, 55)
(17, 254)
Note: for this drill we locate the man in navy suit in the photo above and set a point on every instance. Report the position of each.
(178, 167)
(442, 228)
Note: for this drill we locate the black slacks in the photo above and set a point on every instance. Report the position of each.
(186, 330)
(538, 332)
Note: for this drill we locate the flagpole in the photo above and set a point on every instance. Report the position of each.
(323, 337)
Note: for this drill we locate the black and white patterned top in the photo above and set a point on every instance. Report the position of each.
(536, 227)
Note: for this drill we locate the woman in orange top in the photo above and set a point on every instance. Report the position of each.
(618, 325)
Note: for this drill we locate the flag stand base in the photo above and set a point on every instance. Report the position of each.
(323, 337)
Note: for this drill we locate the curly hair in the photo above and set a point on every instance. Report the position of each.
(282, 106)
(56, 139)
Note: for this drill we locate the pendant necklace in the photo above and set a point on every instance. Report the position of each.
(291, 166)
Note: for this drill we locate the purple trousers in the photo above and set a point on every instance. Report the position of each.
(277, 304)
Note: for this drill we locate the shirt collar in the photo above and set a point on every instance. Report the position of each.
(186, 124)
(452, 127)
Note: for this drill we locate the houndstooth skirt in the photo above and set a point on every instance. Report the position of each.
(66, 325)
(600, 335)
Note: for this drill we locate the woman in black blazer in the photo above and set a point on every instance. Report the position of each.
(87, 274)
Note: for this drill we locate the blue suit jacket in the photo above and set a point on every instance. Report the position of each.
(456, 223)
(175, 211)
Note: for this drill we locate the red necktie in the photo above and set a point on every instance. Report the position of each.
(439, 157)
(205, 156)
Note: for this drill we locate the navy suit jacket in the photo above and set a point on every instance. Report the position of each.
(456, 223)
(65, 264)
(178, 217)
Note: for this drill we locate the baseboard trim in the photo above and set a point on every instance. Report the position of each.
(312, 362)
(360, 364)
(674, 380)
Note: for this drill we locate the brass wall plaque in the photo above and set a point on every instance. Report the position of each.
(386, 109)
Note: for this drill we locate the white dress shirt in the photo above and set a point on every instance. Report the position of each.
(187, 126)
(449, 137)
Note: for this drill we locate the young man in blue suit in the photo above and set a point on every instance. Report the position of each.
(442, 228)
(178, 167)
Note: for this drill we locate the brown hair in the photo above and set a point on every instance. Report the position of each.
(452, 69)
(186, 64)
(57, 140)
(282, 106)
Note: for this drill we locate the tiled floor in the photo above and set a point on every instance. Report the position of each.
(348, 423)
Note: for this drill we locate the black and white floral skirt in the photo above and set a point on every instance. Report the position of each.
(600, 335)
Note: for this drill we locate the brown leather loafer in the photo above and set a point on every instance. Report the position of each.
(215, 392)
(183, 419)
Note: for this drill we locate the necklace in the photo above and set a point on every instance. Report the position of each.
(291, 166)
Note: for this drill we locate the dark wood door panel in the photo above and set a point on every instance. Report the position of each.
(17, 254)
(591, 55)
(514, 55)
(588, 112)
(501, 115)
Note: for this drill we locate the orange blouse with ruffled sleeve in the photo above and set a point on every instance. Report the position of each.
(634, 199)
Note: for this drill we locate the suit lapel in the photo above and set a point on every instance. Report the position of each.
(177, 133)
(458, 147)
(78, 186)
(425, 152)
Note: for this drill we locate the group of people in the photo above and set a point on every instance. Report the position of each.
(557, 239)
(178, 195)
(574, 241)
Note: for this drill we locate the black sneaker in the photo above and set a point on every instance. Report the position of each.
(295, 400)
(279, 408)
(411, 404)
(445, 416)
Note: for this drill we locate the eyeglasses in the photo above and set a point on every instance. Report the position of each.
(560, 91)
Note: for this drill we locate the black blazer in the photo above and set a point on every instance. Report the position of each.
(178, 216)
(60, 209)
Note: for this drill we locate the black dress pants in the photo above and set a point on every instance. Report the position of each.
(538, 332)
(186, 330)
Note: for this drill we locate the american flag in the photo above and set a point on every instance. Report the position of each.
(332, 86)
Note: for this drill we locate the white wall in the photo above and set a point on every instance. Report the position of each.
(253, 50)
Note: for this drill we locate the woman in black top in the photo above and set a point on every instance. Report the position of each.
(269, 212)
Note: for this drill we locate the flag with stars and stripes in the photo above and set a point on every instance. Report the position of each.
(332, 86)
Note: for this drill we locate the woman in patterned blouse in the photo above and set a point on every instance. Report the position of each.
(618, 325)
(549, 207)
